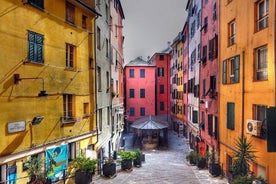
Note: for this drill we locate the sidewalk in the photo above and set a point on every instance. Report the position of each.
(162, 166)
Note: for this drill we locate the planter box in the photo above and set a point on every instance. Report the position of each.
(137, 162)
(83, 178)
(214, 169)
(126, 164)
(201, 163)
(109, 170)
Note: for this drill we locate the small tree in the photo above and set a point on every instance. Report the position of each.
(244, 155)
(35, 170)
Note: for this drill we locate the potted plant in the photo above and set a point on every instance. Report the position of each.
(214, 168)
(137, 162)
(127, 158)
(201, 162)
(36, 174)
(244, 155)
(84, 169)
(109, 167)
(192, 157)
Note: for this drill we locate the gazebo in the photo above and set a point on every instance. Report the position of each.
(151, 131)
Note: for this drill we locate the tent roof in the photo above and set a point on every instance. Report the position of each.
(149, 123)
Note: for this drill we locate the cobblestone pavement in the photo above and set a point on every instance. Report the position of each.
(162, 167)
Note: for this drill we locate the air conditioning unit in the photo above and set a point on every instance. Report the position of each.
(253, 127)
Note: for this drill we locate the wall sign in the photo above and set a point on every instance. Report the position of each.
(16, 126)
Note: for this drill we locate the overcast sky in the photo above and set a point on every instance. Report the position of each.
(150, 24)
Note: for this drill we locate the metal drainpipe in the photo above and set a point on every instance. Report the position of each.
(242, 86)
(95, 83)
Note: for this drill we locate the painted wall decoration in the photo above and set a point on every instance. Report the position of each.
(56, 162)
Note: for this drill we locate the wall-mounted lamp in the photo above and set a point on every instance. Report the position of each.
(17, 79)
(37, 120)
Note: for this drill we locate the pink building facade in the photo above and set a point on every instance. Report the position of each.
(185, 39)
(209, 76)
(139, 90)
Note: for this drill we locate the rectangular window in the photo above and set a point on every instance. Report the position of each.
(132, 111)
(195, 116)
(84, 22)
(204, 54)
(162, 106)
(162, 89)
(131, 93)
(68, 108)
(37, 3)
(70, 13)
(142, 73)
(230, 116)
(98, 38)
(99, 77)
(262, 14)
(232, 32)
(193, 29)
(71, 151)
(261, 63)
(142, 111)
(259, 112)
(205, 26)
(100, 116)
(214, 11)
(142, 93)
(198, 51)
(107, 82)
(86, 109)
(70, 55)
(160, 72)
(131, 73)
(161, 57)
(202, 124)
(35, 47)
(216, 128)
(213, 48)
(213, 82)
(210, 124)
(204, 87)
(106, 48)
(231, 70)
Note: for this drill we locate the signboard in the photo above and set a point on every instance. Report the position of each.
(16, 126)
(56, 162)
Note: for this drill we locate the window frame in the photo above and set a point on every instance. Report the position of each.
(231, 70)
(131, 111)
(131, 73)
(68, 108)
(70, 56)
(232, 32)
(230, 116)
(131, 93)
(142, 93)
(263, 72)
(70, 13)
(35, 47)
(262, 19)
(142, 73)
(142, 111)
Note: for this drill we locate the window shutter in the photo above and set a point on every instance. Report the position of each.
(237, 69)
(231, 116)
(224, 70)
(195, 117)
(210, 124)
(210, 51)
(31, 46)
(39, 41)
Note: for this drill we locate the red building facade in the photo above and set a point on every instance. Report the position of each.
(161, 61)
(139, 90)
(208, 76)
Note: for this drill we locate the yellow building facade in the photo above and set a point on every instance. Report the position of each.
(47, 81)
(247, 80)
(179, 81)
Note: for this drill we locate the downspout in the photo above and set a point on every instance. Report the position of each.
(274, 31)
(242, 86)
(95, 82)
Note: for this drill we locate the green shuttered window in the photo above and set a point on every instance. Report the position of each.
(230, 116)
(35, 47)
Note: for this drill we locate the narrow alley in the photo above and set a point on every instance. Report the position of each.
(162, 166)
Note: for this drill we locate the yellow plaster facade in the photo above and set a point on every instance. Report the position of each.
(20, 103)
(180, 67)
(248, 91)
